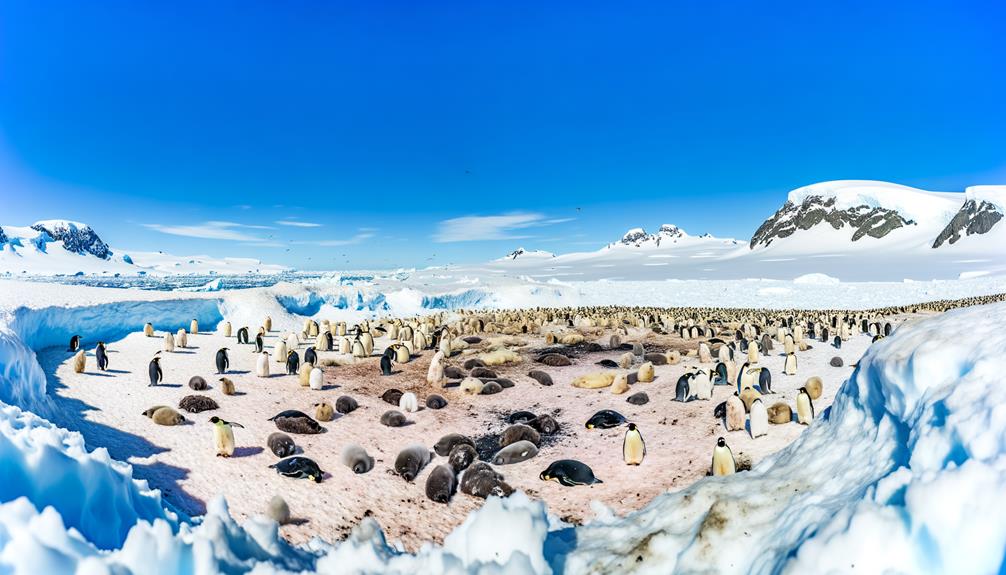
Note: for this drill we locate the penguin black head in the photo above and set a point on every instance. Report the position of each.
(632, 427)
(802, 390)
(721, 442)
(215, 419)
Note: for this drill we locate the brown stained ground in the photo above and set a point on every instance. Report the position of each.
(181, 462)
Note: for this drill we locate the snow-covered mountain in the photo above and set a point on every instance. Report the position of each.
(849, 229)
(523, 253)
(863, 214)
(63, 247)
(638, 238)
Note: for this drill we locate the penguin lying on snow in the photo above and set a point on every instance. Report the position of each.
(299, 468)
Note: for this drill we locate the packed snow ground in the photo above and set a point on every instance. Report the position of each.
(912, 453)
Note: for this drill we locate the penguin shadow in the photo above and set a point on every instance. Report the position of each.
(246, 451)
(300, 520)
(98, 374)
(167, 478)
(170, 385)
(237, 372)
(239, 393)
(185, 351)
(329, 387)
(118, 371)
(452, 384)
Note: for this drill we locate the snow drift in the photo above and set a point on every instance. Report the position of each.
(907, 472)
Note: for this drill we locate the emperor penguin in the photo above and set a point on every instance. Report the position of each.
(292, 362)
(75, 343)
(291, 341)
(311, 356)
(701, 386)
(385, 365)
(764, 380)
(267, 324)
(789, 368)
(280, 351)
(789, 344)
(79, 361)
(682, 391)
(223, 436)
(745, 377)
(358, 349)
(752, 352)
(759, 419)
(182, 338)
(316, 379)
(101, 356)
(148, 330)
(194, 327)
(445, 344)
(262, 364)
(227, 329)
(223, 362)
(723, 353)
(402, 354)
(154, 371)
(344, 345)
(723, 459)
(169, 342)
(242, 335)
(837, 342)
(367, 339)
(633, 447)
(721, 375)
(804, 407)
(259, 344)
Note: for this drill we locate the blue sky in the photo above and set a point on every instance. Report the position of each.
(327, 135)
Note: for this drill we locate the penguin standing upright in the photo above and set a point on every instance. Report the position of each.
(259, 344)
(262, 364)
(194, 327)
(169, 342)
(385, 365)
(804, 407)
(227, 329)
(789, 368)
(242, 335)
(101, 356)
(310, 356)
(292, 362)
(154, 370)
(701, 386)
(223, 362)
(316, 380)
(358, 349)
(223, 436)
(280, 351)
(764, 380)
(759, 419)
(633, 447)
(75, 343)
(723, 459)
(682, 391)
(837, 342)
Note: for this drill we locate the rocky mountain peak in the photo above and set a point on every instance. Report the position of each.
(873, 221)
(76, 237)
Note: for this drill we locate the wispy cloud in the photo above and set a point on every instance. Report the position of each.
(214, 230)
(499, 227)
(362, 235)
(297, 224)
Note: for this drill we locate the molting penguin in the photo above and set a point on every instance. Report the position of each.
(101, 356)
(154, 371)
(226, 386)
(148, 330)
(735, 413)
(633, 447)
(441, 484)
(223, 362)
(723, 459)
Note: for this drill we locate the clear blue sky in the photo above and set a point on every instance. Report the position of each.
(562, 123)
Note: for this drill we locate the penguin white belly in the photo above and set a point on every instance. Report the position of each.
(262, 365)
(223, 439)
(759, 419)
(317, 378)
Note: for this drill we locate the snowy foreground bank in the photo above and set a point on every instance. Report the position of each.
(906, 472)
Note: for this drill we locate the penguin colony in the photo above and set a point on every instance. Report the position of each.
(476, 353)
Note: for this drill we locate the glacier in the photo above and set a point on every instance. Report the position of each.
(912, 449)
